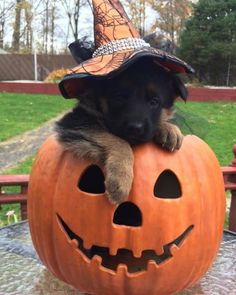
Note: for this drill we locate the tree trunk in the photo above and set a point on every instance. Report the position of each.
(172, 30)
(46, 28)
(16, 30)
(228, 71)
(53, 10)
(28, 18)
(2, 27)
(143, 17)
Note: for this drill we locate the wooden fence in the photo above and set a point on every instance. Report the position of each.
(22, 66)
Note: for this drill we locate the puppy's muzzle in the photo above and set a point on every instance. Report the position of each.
(135, 129)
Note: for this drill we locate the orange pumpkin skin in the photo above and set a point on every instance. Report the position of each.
(54, 194)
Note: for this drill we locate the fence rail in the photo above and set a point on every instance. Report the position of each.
(21, 181)
(229, 175)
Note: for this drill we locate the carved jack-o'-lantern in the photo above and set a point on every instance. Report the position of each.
(161, 240)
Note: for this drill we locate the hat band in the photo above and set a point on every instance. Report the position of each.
(118, 45)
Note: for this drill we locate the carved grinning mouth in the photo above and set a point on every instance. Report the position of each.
(125, 256)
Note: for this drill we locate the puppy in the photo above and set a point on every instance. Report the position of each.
(130, 108)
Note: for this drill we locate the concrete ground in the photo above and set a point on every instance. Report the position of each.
(18, 148)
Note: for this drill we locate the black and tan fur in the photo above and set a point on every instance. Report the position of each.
(114, 114)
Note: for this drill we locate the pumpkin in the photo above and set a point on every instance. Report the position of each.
(160, 241)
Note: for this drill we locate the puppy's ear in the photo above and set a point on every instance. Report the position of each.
(180, 88)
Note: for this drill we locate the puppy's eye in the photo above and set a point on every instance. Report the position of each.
(154, 102)
(120, 98)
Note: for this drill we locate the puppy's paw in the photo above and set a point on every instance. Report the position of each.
(118, 183)
(169, 136)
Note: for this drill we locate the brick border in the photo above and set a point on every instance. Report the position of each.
(195, 93)
(30, 87)
(212, 94)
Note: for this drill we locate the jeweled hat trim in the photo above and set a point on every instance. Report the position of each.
(119, 45)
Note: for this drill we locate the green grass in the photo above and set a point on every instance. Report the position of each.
(22, 168)
(22, 112)
(216, 123)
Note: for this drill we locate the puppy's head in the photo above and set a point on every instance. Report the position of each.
(132, 102)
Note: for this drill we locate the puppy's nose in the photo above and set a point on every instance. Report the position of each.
(135, 128)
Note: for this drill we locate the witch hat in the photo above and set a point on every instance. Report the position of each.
(117, 45)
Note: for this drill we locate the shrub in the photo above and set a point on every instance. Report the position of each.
(56, 75)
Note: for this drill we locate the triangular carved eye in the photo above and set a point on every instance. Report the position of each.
(167, 186)
(92, 180)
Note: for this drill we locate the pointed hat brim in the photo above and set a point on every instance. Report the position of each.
(108, 66)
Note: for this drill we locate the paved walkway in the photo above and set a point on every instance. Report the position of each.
(18, 148)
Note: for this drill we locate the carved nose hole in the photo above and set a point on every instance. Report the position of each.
(167, 186)
(92, 180)
(128, 214)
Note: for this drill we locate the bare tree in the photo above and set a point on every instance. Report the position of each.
(52, 24)
(137, 12)
(49, 17)
(17, 26)
(172, 15)
(22, 28)
(5, 9)
(72, 9)
(27, 30)
(45, 23)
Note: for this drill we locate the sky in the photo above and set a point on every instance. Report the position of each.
(85, 22)
(61, 42)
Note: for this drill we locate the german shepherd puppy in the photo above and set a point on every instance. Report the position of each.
(117, 113)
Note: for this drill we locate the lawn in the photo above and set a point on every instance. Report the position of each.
(22, 112)
(215, 123)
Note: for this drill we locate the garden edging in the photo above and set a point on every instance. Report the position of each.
(195, 93)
